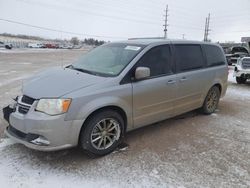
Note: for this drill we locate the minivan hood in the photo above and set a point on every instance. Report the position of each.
(58, 82)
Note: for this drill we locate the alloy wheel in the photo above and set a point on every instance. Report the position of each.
(105, 133)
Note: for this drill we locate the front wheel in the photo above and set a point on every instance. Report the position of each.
(102, 133)
(211, 101)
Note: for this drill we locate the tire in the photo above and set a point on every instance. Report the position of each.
(241, 80)
(211, 101)
(229, 62)
(8, 47)
(95, 134)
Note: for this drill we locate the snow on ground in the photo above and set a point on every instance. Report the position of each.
(22, 168)
(231, 78)
(9, 81)
(28, 50)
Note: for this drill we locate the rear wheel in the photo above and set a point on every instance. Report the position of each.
(211, 101)
(241, 80)
(102, 133)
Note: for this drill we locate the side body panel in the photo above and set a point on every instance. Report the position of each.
(84, 103)
(192, 88)
(153, 99)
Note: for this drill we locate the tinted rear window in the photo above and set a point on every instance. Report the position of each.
(214, 55)
(189, 57)
(246, 60)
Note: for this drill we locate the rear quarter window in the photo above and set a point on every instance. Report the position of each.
(215, 56)
(188, 57)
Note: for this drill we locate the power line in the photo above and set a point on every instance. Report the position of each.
(91, 13)
(120, 9)
(59, 31)
(104, 15)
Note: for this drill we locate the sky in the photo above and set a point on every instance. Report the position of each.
(113, 20)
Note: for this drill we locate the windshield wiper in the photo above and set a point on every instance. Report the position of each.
(83, 70)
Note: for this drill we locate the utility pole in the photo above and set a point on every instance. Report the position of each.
(205, 32)
(183, 36)
(207, 28)
(166, 23)
(208, 22)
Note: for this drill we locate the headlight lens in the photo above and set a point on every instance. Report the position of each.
(53, 106)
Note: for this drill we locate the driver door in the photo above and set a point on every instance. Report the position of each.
(153, 97)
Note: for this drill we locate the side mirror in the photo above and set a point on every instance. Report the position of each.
(141, 73)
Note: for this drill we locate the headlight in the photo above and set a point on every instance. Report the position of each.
(53, 106)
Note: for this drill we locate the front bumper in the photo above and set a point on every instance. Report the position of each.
(42, 132)
(28, 144)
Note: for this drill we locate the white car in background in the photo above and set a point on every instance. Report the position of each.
(242, 70)
(5, 45)
(35, 45)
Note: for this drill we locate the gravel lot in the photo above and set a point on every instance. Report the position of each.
(191, 150)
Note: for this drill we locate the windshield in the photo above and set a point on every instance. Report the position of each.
(107, 60)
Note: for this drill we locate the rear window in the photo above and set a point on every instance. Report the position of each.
(215, 56)
(189, 57)
(246, 60)
(239, 50)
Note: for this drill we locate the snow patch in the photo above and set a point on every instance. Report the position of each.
(6, 142)
(21, 63)
(231, 78)
(4, 83)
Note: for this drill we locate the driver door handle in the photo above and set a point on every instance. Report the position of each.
(171, 82)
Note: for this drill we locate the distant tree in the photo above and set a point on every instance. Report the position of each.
(74, 40)
(93, 42)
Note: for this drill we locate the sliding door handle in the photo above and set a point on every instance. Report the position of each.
(183, 79)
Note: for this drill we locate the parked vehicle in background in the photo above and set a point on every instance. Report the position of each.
(35, 45)
(66, 46)
(5, 45)
(242, 70)
(236, 52)
(50, 45)
(77, 46)
(113, 89)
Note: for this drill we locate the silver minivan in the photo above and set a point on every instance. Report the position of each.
(113, 89)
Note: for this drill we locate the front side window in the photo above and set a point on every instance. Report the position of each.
(188, 57)
(107, 60)
(214, 55)
(158, 60)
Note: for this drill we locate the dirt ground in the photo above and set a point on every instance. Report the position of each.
(191, 150)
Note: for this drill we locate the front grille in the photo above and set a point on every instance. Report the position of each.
(24, 103)
(28, 100)
(23, 109)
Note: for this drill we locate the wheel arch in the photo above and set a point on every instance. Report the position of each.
(108, 107)
(219, 86)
